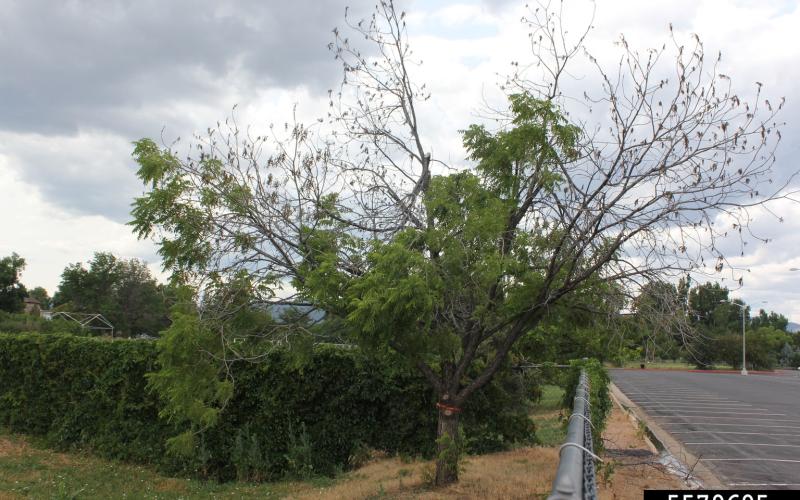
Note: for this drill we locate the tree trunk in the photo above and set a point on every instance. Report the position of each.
(448, 446)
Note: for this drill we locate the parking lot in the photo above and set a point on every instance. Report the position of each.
(744, 428)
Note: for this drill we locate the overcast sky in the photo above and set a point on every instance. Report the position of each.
(80, 80)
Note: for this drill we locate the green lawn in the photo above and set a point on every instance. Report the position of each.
(546, 414)
(672, 365)
(27, 470)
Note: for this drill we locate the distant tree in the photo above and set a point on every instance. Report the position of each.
(773, 319)
(717, 323)
(41, 295)
(12, 292)
(92, 289)
(585, 325)
(787, 355)
(661, 318)
(123, 291)
(763, 347)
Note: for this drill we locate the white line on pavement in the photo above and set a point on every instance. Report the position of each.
(710, 407)
(763, 484)
(749, 460)
(737, 425)
(668, 393)
(752, 444)
(734, 418)
(687, 400)
(683, 398)
(654, 410)
(770, 434)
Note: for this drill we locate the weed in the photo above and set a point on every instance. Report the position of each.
(300, 454)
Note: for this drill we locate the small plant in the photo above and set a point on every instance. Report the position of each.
(605, 471)
(247, 458)
(641, 430)
(452, 450)
(428, 474)
(360, 456)
(300, 454)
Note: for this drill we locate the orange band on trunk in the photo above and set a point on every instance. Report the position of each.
(453, 409)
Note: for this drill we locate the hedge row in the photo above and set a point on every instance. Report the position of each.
(283, 419)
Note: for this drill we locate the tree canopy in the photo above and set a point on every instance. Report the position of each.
(122, 290)
(12, 292)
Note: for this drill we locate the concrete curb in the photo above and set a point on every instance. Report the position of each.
(662, 441)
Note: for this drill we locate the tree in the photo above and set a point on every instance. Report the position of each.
(12, 292)
(773, 319)
(354, 216)
(717, 324)
(122, 290)
(764, 347)
(41, 295)
(661, 318)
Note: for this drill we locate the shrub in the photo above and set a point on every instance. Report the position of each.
(80, 391)
(21, 322)
(284, 418)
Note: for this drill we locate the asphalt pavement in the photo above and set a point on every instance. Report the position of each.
(744, 428)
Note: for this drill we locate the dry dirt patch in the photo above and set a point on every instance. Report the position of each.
(635, 466)
(521, 473)
(11, 447)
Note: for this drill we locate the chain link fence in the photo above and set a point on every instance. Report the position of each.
(575, 477)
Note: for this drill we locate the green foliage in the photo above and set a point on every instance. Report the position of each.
(585, 324)
(81, 391)
(709, 328)
(40, 294)
(451, 451)
(21, 322)
(12, 292)
(122, 290)
(190, 384)
(764, 347)
(599, 400)
(773, 319)
(300, 454)
(186, 247)
(281, 418)
(540, 136)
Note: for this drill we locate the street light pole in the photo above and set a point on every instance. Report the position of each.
(744, 350)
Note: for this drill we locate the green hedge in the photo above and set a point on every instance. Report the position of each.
(283, 419)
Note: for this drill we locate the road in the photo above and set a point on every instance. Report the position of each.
(745, 428)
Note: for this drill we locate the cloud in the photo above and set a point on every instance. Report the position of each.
(88, 173)
(68, 65)
(49, 239)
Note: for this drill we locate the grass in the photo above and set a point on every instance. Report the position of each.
(673, 365)
(547, 415)
(28, 471)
